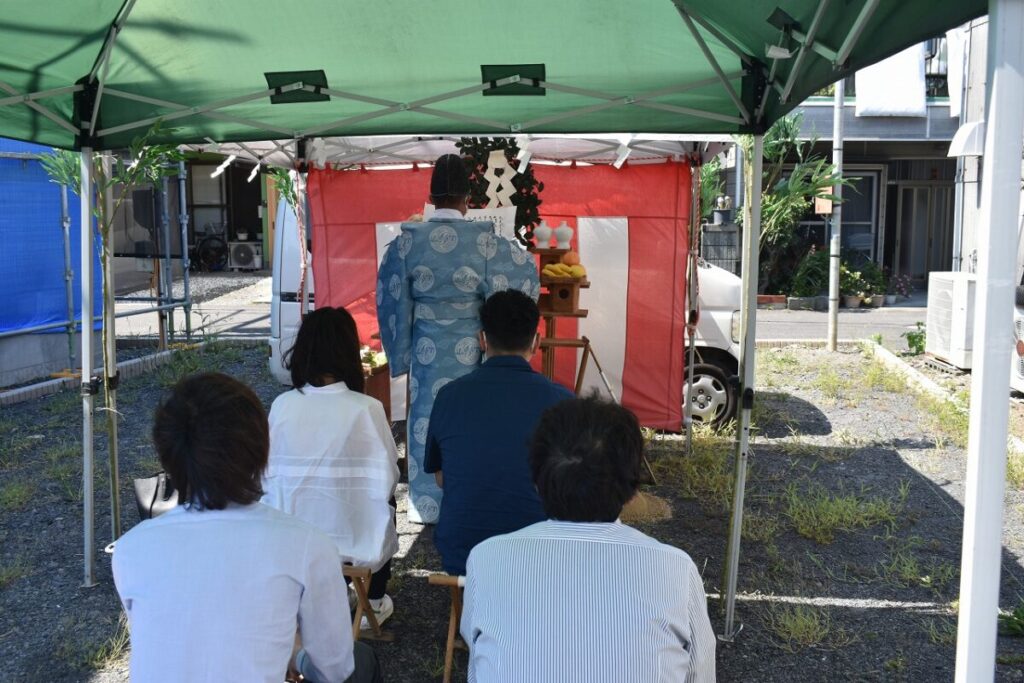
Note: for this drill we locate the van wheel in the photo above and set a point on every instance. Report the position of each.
(713, 400)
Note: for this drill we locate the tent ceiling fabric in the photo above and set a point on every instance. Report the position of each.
(384, 151)
(415, 68)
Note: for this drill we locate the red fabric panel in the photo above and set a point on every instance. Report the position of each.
(347, 205)
(345, 208)
(656, 199)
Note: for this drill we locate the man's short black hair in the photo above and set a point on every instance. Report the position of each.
(509, 320)
(585, 459)
(212, 439)
(327, 345)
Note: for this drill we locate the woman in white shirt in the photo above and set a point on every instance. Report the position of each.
(333, 461)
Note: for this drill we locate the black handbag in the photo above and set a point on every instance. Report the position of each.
(155, 495)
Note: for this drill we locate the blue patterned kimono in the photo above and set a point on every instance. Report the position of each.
(430, 286)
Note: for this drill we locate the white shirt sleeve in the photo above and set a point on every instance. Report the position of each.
(702, 636)
(325, 631)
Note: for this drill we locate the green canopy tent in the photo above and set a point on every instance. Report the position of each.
(259, 69)
(93, 74)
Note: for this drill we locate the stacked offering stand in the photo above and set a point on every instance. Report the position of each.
(561, 300)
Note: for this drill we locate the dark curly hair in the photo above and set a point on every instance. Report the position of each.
(212, 439)
(585, 459)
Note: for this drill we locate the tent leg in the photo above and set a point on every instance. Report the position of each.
(186, 266)
(88, 388)
(167, 267)
(748, 326)
(835, 243)
(986, 447)
(110, 361)
(691, 303)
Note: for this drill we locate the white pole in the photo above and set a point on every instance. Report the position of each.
(89, 553)
(993, 339)
(835, 242)
(748, 326)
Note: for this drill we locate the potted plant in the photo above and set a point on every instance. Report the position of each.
(873, 278)
(809, 280)
(851, 286)
(899, 285)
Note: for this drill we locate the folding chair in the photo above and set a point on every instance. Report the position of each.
(455, 585)
(360, 577)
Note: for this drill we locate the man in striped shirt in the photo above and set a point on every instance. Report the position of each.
(582, 597)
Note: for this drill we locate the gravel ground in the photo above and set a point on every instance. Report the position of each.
(872, 602)
(206, 286)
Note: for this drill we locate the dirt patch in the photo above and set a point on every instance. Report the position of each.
(851, 542)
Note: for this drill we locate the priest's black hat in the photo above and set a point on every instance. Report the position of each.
(450, 178)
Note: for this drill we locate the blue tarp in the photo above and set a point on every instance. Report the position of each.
(32, 290)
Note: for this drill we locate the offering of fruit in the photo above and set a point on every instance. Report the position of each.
(571, 258)
(561, 270)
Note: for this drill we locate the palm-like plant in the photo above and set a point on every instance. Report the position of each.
(115, 176)
(787, 193)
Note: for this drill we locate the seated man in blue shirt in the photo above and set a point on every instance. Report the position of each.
(478, 439)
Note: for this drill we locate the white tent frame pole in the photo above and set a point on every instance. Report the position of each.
(823, 50)
(801, 55)
(88, 398)
(993, 335)
(35, 106)
(748, 327)
(727, 41)
(854, 35)
(759, 114)
(42, 94)
(640, 100)
(108, 47)
(742, 108)
(836, 241)
(417, 106)
(185, 112)
(174, 106)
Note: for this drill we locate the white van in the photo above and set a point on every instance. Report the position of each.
(285, 304)
(714, 394)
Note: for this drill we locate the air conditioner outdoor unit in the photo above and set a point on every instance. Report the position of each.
(950, 317)
(245, 256)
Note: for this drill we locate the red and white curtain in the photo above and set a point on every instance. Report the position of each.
(631, 233)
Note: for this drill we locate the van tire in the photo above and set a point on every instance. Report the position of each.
(714, 395)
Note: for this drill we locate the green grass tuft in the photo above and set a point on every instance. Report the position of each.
(9, 573)
(797, 627)
(16, 495)
(706, 475)
(818, 515)
(830, 384)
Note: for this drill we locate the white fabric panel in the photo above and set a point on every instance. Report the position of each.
(894, 86)
(385, 233)
(503, 217)
(956, 65)
(604, 251)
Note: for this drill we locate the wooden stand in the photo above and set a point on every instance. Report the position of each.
(561, 300)
(378, 385)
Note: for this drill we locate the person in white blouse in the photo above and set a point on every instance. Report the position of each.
(217, 588)
(333, 461)
(581, 597)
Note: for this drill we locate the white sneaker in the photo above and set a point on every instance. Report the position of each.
(382, 609)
